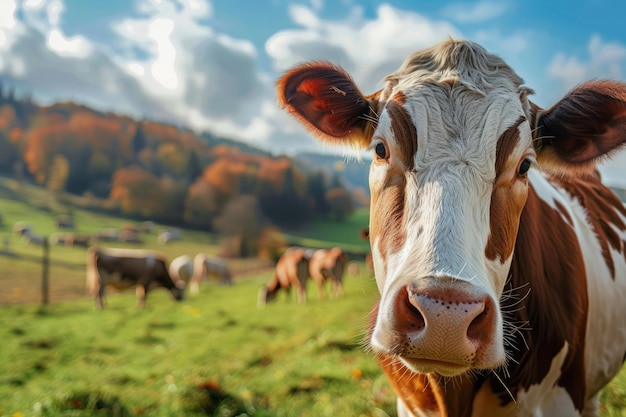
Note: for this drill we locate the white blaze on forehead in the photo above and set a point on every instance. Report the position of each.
(448, 195)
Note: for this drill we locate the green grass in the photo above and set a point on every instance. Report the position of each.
(212, 354)
(345, 234)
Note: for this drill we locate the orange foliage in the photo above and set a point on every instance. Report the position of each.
(201, 204)
(139, 192)
(222, 175)
(15, 135)
(7, 117)
(172, 157)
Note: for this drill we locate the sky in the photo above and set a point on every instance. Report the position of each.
(211, 65)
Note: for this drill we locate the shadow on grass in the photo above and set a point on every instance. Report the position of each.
(211, 399)
(83, 403)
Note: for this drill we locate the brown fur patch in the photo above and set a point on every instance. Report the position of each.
(387, 213)
(603, 213)
(548, 262)
(507, 200)
(404, 132)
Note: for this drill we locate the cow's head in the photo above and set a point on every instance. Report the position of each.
(178, 290)
(453, 138)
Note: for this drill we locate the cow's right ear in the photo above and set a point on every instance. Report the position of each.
(325, 100)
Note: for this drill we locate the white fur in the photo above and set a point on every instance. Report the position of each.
(448, 198)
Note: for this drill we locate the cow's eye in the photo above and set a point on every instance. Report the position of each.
(524, 167)
(381, 150)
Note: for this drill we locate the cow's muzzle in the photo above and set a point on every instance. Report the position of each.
(447, 329)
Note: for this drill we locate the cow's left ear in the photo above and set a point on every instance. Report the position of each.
(586, 125)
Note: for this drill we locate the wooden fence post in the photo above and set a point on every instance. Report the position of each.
(45, 272)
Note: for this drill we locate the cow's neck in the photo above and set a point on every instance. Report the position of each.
(547, 261)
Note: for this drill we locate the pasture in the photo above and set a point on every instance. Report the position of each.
(213, 354)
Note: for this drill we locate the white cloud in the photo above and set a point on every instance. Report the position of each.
(165, 64)
(368, 49)
(476, 12)
(605, 60)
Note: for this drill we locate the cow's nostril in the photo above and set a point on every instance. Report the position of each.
(480, 328)
(408, 317)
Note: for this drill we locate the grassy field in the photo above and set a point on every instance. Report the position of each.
(214, 354)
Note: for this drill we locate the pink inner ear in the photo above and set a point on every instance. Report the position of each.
(324, 99)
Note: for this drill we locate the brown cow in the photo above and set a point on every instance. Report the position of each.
(126, 268)
(291, 271)
(499, 255)
(328, 265)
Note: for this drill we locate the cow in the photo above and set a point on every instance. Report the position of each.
(206, 266)
(126, 268)
(292, 270)
(499, 255)
(328, 265)
(181, 268)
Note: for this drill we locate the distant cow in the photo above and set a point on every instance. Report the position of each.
(328, 265)
(21, 228)
(291, 271)
(206, 266)
(167, 236)
(181, 268)
(64, 222)
(126, 268)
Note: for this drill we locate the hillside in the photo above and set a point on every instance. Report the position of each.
(154, 171)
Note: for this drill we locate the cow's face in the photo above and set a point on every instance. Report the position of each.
(448, 182)
(449, 179)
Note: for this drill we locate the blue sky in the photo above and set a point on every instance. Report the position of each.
(211, 65)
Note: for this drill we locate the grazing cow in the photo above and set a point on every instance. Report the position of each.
(328, 265)
(167, 236)
(204, 267)
(499, 255)
(181, 268)
(126, 268)
(292, 270)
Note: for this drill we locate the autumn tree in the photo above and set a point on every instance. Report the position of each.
(59, 172)
(201, 205)
(172, 159)
(139, 193)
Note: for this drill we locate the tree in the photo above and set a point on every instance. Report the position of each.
(201, 205)
(194, 168)
(316, 188)
(242, 221)
(59, 173)
(340, 203)
(138, 142)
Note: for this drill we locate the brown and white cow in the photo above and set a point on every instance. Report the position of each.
(499, 255)
(292, 270)
(127, 268)
(328, 265)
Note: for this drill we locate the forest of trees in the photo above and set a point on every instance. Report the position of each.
(151, 170)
